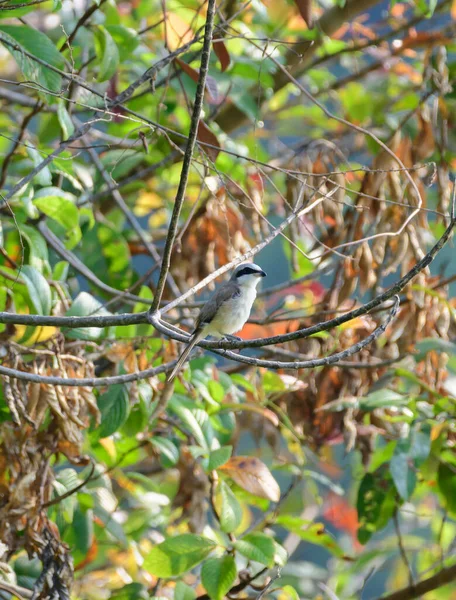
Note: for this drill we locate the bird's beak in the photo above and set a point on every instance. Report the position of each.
(261, 274)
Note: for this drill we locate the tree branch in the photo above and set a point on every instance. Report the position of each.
(443, 577)
(186, 164)
(143, 317)
(130, 217)
(87, 381)
(296, 364)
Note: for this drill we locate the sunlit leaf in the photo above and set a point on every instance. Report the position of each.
(218, 575)
(37, 44)
(252, 475)
(258, 547)
(177, 555)
(219, 457)
(230, 510)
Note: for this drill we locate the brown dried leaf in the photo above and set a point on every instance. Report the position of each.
(305, 8)
(211, 85)
(424, 143)
(206, 136)
(221, 53)
(253, 476)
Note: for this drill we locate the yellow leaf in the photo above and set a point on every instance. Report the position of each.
(146, 202)
(157, 219)
(178, 31)
(41, 334)
(109, 446)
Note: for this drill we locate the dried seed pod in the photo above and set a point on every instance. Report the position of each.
(397, 258)
(367, 274)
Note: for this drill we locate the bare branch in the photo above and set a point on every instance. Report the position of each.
(296, 364)
(87, 381)
(186, 164)
(129, 319)
(441, 578)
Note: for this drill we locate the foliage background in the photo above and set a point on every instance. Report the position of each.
(336, 480)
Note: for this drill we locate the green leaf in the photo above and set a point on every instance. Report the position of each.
(177, 555)
(281, 555)
(60, 271)
(258, 547)
(65, 120)
(428, 344)
(84, 305)
(218, 457)
(38, 251)
(38, 289)
(218, 576)
(38, 44)
(216, 390)
(446, 479)
(190, 420)
(167, 449)
(114, 408)
(376, 503)
(402, 472)
(107, 52)
(16, 12)
(126, 39)
(381, 399)
(83, 530)
(314, 533)
(290, 592)
(131, 591)
(242, 382)
(230, 511)
(182, 591)
(420, 447)
(64, 212)
(43, 178)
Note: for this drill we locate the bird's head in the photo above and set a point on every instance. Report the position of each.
(247, 274)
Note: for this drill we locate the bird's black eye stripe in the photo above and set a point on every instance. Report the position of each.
(247, 271)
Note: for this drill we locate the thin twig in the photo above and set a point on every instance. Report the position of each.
(186, 164)
(130, 217)
(402, 549)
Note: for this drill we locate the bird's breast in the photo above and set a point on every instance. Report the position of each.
(233, 314)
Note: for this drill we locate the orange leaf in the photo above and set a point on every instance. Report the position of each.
(253, 476)
(206, 136)
(221, 53)
(178, 32)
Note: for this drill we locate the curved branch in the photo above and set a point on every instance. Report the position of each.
(87, 381)
(295, 364)
(143, 317)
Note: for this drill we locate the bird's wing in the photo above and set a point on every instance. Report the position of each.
(226, 292)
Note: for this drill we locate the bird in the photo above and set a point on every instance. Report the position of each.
(226, 311)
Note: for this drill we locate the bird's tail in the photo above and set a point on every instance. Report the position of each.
(196, 337)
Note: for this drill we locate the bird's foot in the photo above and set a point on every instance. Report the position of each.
(232, 338)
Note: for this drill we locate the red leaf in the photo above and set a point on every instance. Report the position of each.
(211, 85)
(305, 8)
(221, 53)
(206, 136)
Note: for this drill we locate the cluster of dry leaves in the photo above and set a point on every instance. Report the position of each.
(48, 422)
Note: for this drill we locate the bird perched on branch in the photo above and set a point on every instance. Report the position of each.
(227, 310)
